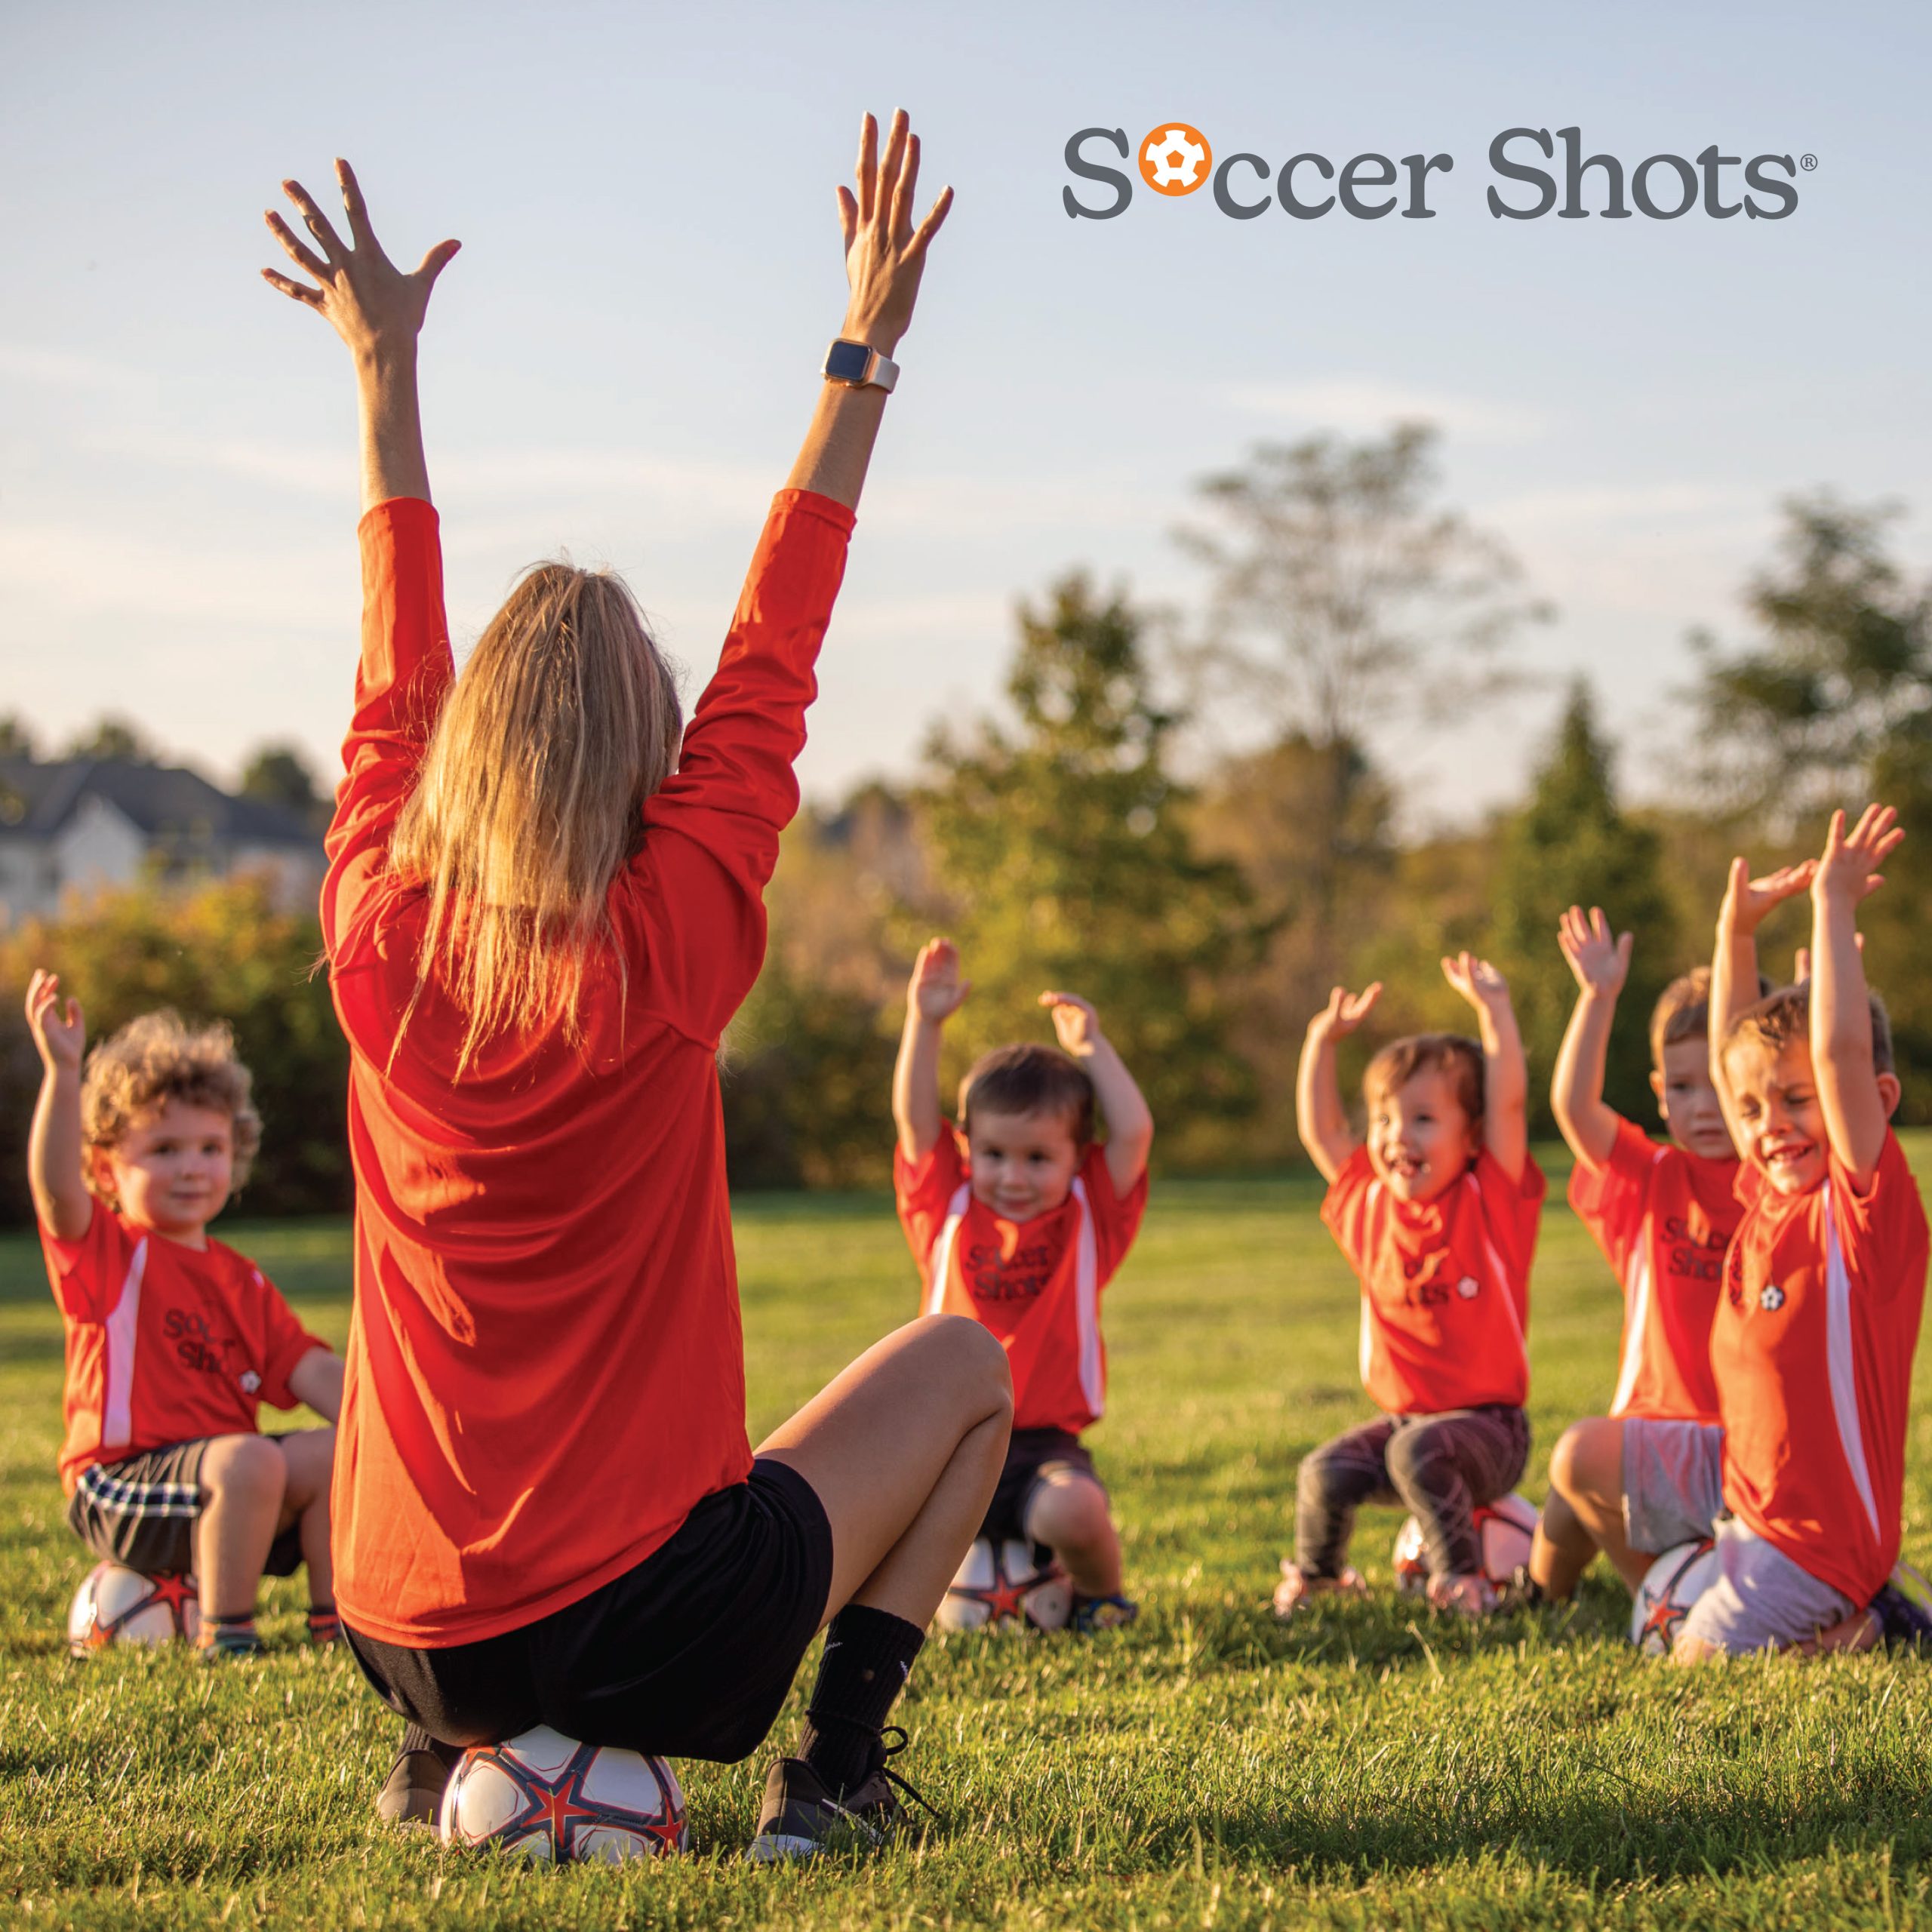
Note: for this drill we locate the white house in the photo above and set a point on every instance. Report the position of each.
(76, 825)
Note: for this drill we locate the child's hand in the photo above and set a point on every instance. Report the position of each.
(1345, 1012)
(369, 302)
(1075, 1023)
(1600, 961)
(1478, 981)
(1849, 870)
(1748, 902)
(935, 991)
(61, 1033)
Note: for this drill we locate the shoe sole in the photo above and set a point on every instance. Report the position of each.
(780, 1847)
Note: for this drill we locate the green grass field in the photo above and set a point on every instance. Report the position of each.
(1374, 1765)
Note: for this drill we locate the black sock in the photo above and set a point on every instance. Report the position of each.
(869, 1655)
(415, 1738)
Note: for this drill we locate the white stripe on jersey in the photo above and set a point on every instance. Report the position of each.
(123, 1326)
(1844, 1385)
(1086, 1304)
(942, 1260)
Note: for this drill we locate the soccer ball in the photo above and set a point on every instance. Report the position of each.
(118, 1605)
(1010, 1586)
(1671, 1585)
(1504, 1530)
(550, 1797)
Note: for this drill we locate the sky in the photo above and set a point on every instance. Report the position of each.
(619, 364)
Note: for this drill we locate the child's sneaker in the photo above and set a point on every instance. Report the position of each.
(1468, 1596)
(1904, 1607)
(1296, 1586)
(413, 1793)
(324, 1625)
(800, 1819)
(227, 1642)
(1092, 1614)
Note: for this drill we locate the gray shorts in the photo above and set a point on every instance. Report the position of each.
(1673, 1482)
(1762, 1600)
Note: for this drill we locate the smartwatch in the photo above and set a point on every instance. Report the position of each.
(858, 368)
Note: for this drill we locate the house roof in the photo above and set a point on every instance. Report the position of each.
(167, 803)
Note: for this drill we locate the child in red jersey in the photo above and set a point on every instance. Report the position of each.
(1019, 1219)
(1824, 1281)
(1664, 1214)
(174, 1340)
(1438, 1214)
(544, 903)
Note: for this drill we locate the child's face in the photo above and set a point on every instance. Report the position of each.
(171, 1171)
(1420, 1137)
(1022, 1164)
(1778, 1110)
(1688, 1102)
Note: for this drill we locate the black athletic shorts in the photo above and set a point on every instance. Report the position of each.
(142, 1512)
(690, 1655)
(1030, 1456)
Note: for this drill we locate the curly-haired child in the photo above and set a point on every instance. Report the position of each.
(172, 1339)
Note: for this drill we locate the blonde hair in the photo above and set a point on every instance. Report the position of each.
(1683, 1011)
(530, 800)
(134, 1073)
(1453, 1055)
(1784, 1019)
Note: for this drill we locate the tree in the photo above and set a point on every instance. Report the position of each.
(1343, 601)
(1572, 844)
(17, 737)
(112, 738)
(279, 775)
(1063, 851)
(1832, 707)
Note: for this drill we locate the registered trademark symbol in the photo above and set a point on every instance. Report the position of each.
(1807, 162)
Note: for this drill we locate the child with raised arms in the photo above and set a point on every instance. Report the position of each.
(1019, 1218)
(1664, 1214)
(1824, 1281)
(540, 912)
(1437, 1211)
(174, 1340)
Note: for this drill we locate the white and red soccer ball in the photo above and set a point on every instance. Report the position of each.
(1011, 1585)
(1671, 1585)
(118, 1605)
(1504, 1530)
(550, 1798)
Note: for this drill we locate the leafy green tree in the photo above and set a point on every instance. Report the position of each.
(1064, 850)
(1833, 706)
(16, 737)
(225, 951)
(279, 775)
(1570, 844)
(113, 738)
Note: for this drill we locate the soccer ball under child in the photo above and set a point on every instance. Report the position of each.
(1504, 1530)
(118, 1605)
(1671, 1585)
(1010, 1586)
(550, 1797)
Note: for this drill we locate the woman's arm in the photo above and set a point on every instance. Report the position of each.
(884, 257)
(378, 311)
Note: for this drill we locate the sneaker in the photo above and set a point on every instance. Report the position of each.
(800, 1819)
(413, 1794)
(1469, 1596)
(1092, 1614)
(1296, 1586)
(1523, 1592)
(220, 1644)
(1904, 1618)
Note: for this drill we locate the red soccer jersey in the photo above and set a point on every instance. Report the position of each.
(1663, 1218)
(1445, 1285)
(1813, 1349)
(165, 1342)
(1036, 1285)
(545, 1369)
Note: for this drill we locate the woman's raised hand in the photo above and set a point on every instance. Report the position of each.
(370, 303)
(885, 254)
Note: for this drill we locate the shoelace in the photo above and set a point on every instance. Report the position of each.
(889, 1752)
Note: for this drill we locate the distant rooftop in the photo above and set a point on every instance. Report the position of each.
(172, 807)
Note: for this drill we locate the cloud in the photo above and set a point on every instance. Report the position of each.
(1360, 404)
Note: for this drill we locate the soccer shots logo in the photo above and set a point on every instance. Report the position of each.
(1532, 172)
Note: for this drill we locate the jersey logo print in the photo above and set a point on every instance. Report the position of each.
(1770, 1297)
(1469, 1287)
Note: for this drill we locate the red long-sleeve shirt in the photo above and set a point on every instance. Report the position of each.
(545, 1369)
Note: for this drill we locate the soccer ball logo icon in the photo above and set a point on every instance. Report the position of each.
(1175, 159)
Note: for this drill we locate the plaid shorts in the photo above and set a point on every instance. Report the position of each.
(142, 1511)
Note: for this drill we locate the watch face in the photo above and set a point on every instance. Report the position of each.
(847, 361)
